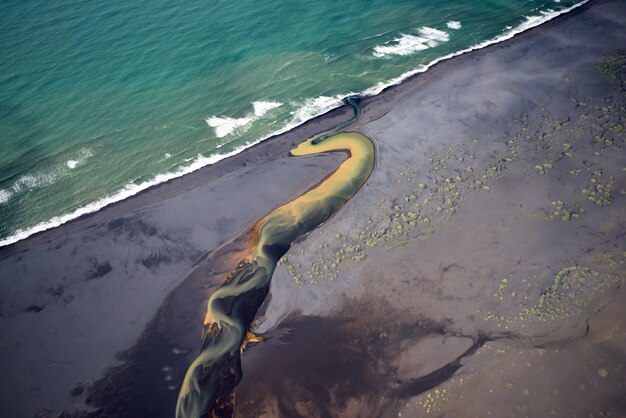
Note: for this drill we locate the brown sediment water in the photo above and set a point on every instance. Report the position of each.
(209, 383)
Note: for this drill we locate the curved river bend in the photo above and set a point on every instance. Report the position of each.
(208, 387)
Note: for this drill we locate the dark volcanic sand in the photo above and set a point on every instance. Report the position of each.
(499, 295)
(74, 297)
(473, 276)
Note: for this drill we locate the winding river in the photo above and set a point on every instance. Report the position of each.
(209, 384)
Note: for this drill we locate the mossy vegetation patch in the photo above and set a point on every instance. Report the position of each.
(613, 66)
(572, 290)
(582, 153)
(425, 202)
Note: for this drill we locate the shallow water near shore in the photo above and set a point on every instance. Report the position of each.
(98, 102)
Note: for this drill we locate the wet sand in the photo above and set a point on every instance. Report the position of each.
(478, 273)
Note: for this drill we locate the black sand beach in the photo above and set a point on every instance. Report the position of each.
(479, 272)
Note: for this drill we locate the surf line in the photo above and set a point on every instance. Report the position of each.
(210, 381)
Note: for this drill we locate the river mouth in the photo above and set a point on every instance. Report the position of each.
(208, 386)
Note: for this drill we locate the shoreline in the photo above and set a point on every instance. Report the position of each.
(256, 154)
(376, 93)
(126, 288)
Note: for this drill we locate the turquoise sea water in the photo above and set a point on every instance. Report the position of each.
(99, 100)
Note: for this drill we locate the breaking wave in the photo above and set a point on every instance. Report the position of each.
(528, 23)
(223, 125)
(5, 196)
(409, 44)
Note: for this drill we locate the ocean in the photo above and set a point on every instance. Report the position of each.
(100, 100)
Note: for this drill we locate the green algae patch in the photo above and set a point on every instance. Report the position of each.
(600, 191)
(544, 168)
(504, 285)
(612, 65)
(565, 213)
(571, 293)
(572, 290)
(427, 203)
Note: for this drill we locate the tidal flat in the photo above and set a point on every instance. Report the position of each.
(479, 272)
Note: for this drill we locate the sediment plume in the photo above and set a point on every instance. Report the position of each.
(208, 387)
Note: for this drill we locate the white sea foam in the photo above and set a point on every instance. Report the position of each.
(80, 159)
(453, 24)
(126, 192)
(5, 196)
(322, 106)
(261, 107)
(404, 45)
(434, 36)
(529, 23)
(409, 44)
(33, 181)
(27, 181)
(311, 108)
(223, 125)
(40, 179)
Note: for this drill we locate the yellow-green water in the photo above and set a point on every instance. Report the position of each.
(210, 380)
